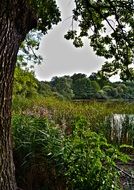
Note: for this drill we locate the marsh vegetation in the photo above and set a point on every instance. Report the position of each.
(70, 145)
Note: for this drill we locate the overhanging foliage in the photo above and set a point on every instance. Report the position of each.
(109, 26)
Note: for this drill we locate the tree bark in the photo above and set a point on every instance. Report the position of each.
(16, 20)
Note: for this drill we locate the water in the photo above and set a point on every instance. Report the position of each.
(120, 129)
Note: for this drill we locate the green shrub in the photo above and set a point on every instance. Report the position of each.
(89, 160)
(82, 160)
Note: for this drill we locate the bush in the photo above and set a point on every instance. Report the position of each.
(47, 158)
(89, 160)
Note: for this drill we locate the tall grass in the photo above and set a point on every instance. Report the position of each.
(64, 112)
(48, 158)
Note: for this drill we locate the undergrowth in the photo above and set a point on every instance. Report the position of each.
(60, 145)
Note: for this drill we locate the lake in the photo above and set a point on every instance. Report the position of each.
(120, 129)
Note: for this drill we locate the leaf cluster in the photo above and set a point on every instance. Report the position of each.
(47, 13)
(108, 25)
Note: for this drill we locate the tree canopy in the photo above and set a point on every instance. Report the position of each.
(107, 24)
(46, 14)
(109, 27)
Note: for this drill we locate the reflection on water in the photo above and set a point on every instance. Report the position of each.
(120, 128)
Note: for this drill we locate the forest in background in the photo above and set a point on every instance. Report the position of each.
(75, 87)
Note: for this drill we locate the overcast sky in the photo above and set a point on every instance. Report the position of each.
(60, 56)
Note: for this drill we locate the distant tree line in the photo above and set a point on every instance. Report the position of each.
(75, 87)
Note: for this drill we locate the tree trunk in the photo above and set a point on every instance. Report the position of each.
(15, 23)
(8, 52)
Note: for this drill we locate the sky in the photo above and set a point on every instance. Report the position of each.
(60, 57)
